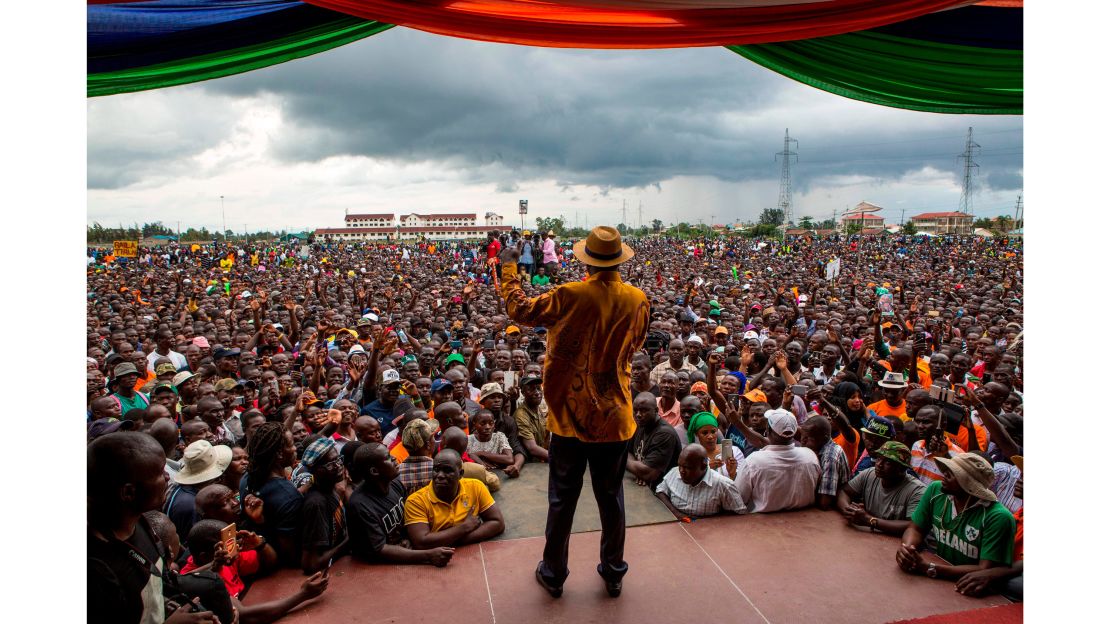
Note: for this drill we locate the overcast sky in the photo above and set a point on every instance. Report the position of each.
(407, 121)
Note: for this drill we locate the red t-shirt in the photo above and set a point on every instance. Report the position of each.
(246, 562)
(493, 249)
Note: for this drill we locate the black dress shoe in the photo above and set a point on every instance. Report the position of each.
(551, 589)
(613, 587)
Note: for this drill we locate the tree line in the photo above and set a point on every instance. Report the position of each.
(97, 233)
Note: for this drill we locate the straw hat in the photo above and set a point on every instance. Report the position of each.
(603, 248)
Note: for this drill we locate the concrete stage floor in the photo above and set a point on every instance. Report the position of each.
(805, 566)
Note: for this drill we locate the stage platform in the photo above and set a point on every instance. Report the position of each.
(805, 566)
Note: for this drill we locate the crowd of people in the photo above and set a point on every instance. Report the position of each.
(334, 399)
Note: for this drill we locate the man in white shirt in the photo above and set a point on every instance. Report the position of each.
(164, 340)
(780, 475)
(690, 489)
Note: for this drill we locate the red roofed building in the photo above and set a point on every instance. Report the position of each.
(958, 223)
(862, 220)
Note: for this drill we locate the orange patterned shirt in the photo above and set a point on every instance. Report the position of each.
(594, 327)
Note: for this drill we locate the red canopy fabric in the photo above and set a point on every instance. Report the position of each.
(620, 24)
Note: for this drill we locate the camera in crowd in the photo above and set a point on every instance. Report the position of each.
(656, 342)
(954, 413)
(535, 348)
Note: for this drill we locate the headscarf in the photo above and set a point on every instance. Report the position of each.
(697, 421)
(844, 391)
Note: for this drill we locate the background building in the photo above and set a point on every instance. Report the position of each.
(958, 223)
(368, 220)
(440, 226)
(863, 216)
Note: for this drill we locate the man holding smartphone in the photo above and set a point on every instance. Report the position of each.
(594, 327)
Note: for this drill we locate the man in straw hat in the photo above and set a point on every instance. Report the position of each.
(973, 531)
(594, 327)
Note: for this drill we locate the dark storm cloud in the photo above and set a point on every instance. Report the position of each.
(615, 119)
(137, 136)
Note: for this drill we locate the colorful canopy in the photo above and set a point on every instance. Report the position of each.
(623, 24)
(966, 60)
(162, 43)
(898, 53)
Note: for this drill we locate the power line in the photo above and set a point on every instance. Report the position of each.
(900, 141)
(992, 152)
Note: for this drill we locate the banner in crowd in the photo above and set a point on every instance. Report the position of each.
(125, 249)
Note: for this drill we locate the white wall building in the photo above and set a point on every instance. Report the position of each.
(414, 226)
(368, 220)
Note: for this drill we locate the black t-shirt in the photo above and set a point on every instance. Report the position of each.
(281, 508)
(324, 520)
(121, 573)
(657, 447)
(376, 520)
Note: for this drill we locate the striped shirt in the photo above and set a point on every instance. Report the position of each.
(925, 465)
(834, 469)
(705, 498)
(1005, 478)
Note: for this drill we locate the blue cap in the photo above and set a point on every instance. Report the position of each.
(222, 353)
(440, 384)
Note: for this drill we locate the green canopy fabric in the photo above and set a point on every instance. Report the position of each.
(298, 44)
(901, 72)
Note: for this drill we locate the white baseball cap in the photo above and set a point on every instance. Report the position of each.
(782, 422)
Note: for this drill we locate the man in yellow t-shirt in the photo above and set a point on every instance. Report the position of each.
(451, 510)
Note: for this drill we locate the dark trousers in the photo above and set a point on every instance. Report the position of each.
(568, 458)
